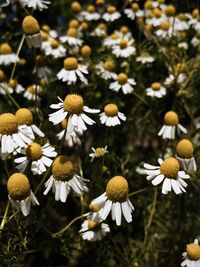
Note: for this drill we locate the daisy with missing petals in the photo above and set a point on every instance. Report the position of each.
(145, 57)
(124, 48)
(111, 14)
(71, 38)
(39, 157)
(55, 49)
(124, 83)
(111, 115)
(35, 4)
(30, 92)
(7, 56)
(156, 90)
(134, 12)
(184, 154)
(169, 173)
(20, 194)
(105, 69)
(72, 71)
(63, 179)
(31, 29)
(73, 108)
(171, 123)
(192, 255)
(98, 152)
(115, 200)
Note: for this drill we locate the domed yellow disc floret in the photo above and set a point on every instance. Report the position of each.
(157, 12)
(102, 26)
(170, 10)
(135, 7)
(100, 151)
(94, 208)
(24, 116)
(156, 86)
(123, 43)
(54, 44)
(171, 118)
(195, 13)
(91, 8)
(73, 104)
(2, 75)
(111, 9)
(86, 51)
(8, 124)
(93, 224)
(44, 36)
(124, 29)
(62, 168)
(70, 63)
(5, 49)
(100, 2)
(193, 251)
(76, 7)
(148, 4)
(46, 28)
(184, 149)
(33, 151)
(170, 168)
(122, 78)
(109, 65)
(114, 36)
(30, 25)
(72, 32)
(165, 25)
(18, 186)
(74, 23)
(13, 83)
(111, 110)
(117, 189)
(31, 89)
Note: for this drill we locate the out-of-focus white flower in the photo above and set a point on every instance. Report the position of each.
(55, 49)
(35, 4)
(134, 12)
(111, 14)
(105, 69)
(71, 38)
(98, 152)
(145, 57)
(33, 91)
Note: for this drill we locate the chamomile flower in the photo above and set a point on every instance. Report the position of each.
(112, 40)
(38, 156)
(192, 255)
(145, 57)
(32, 91)
(156, 90)
(184, 154)
(35, 4)
(124, 48)
(124, 83)
(64, 179)
(115, 200)
(72, 71)
(31, 30)
(20, 194)
(100, 30)
(98, 152)
(196, 39)
(90, 14)
(42, 70)
(105, 69)
(55, 49)
(111, 115)
(72, 38)
(169, 173)
(171, 124)
(111, 14)
(7, 56)
(134, 11)
(73, 108)
(14, 86)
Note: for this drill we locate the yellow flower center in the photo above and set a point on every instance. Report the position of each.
(184, 149)
(93, 224)
(165, 26)
(117, 189)
(5, 49)
(12, 83)
(124, 29)
(30, 25)
(102, 26)
(148, 27)
(123, 43)
(100, 151)
(111, 110)
(24, 116)
(73, 104)
(94, 208)
(170, 10)
(91, 8)
(84, 26)
(54, 44)
(71, 63)
(85, 51)
(44, 36)
(18, 186)
(100, 2)
(76, 7)
(72, 32)
(8, 124)
(193, 251)
(156, 86)
(157, 12)
(74, 23)
(135, 7)
(198, 34)
(171, 118)
(148, 4)
(195, 13)
(46, 28)
(122, 78)
(31, 89)
(33, 151)
(62, 169)
(109, 65)
(111, 9)
(41, 61)
(2, 75)
(170, 168)
(182, 16)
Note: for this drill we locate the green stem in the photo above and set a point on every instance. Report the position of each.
(42, 181)
(3, 222)
(137, 192)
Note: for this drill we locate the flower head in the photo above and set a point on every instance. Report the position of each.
(192, 255)
(111, 115)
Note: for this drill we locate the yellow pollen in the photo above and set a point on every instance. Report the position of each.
(72, 32)
(30, 25)
(24, 116)
(171, 118)
(70, 63)
(92, 224)
(8, 124)
(18, 186)
(13, 83)
(184, 149)
(170, 168)
(2, 75)
(109, 65)
(100, 2)
(46, 28)
(33, 151)
(124, 29)
(123, 43)
(170, 10)
(165, 26)
(111, 110)
(135, 7)
(44, 36)
(122, 78)
(117, 189)
(91, 8)
(62, 168)
(193, 251)
(54, 44)
(94, 208)
(86, 51)
(73, 104)
(41, 60)
(111, 9)
(156, 86)
(74, 23)
(5, 49)
(76, 7)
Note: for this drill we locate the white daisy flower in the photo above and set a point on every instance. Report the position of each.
(7, 56)
(20, 194)
(73, 108)
(157, 19)
(180, 78)
(72, 38)
(111, 115)
(90, 14)
(55, 49)
(100, 30)
(184, 154)
(124, 48)
(14, 86)
(30, 92)
(180, 23)
(192, 255)
(35, 4)
(165, 30)
(156, 90)
(124, 83)
(145, 57)
(111, 14)
(105, 69)
(98, 152)
(115, 200)
(169, 173)
(171, 124)
(31, 30)
(196, 39)
(43, 71)
(64, 179)
(112, 40)
(134, 12)
(72, 70)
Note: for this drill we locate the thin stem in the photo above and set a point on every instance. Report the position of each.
(10, 97)
(137, 192)
(42, 181)
(3, 222)
(62, 142)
